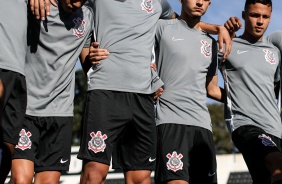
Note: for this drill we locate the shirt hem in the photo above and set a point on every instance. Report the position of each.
(121, 90)
(12, 69)
(49, 114)
(188, 124)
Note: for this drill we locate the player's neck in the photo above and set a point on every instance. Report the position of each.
(192, 22)
(251, 38)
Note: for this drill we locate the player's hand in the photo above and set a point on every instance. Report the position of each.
(41, 8)
(224, 39)
(96, 54)
(158, 93)
(233, 24)
(153, 66)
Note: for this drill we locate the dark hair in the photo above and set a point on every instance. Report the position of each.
(265, 2)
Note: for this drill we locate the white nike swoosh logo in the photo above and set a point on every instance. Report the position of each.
(63, 161)
(241, 52)
(211, 174)
(152, 160)
(176, 39)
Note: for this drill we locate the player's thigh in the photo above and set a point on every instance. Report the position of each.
(138, 176)
(203, 167)
(22, 171)
(105, 116)
(28, 139)
(13, 104)
(137, 146)
(47, 177)
(173, 147)
(254, 144)
(55, 144)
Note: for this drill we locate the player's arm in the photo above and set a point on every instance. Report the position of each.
(223, 37)
(276, 88)
(233, 24)
(167, 11)
(213, 90)
(92, 56)
(41, 8)
(84, 60)
(97, 54)
(277, 78)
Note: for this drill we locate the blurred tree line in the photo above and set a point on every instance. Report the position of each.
(220, 133)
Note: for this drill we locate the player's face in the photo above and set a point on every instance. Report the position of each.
(195, 8)
(71, 5)
(257, 19)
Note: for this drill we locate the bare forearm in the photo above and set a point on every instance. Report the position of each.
(217, 93)
(211, 28)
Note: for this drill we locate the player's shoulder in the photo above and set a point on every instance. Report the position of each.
(210, 37)
(164, 22)
(167, 21)
(275, 35)
(86, 8)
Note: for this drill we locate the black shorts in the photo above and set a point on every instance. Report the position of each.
(185, 153)
(120, 119)
(254, 144)
(46, 141)
(13, 105)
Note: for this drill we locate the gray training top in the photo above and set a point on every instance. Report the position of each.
(251, 70)
(126, 29)
(186, 57)
(51, 59)
(13, 25)
(276, 39)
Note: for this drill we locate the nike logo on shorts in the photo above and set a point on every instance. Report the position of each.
(152, 160)
(63, 161)
(211, 174)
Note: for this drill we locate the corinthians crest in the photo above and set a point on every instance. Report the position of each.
(24, 141)
(174, 161)
(269, 56)
(97, 143)
(266, 140)
(147, 5)
(206, 49)
(79, 28)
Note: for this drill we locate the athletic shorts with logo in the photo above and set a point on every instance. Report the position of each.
(13, 105)
(186, 153)
(254, 144)
(46, 141)
(121, 119)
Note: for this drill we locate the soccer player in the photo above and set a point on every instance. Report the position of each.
(251, 72)
(44, 141)
(119, 105)
(13, 25)
(187, 64)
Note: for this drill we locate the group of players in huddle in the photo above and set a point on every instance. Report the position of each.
(152, 116)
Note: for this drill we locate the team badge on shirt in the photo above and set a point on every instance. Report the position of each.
(97, 143)
(24, 141)
(147, 5)
(266, 140)
(269, 56)
(174, 161)
(79, 28)
(206, 49)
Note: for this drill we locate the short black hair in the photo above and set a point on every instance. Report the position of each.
(265, 2)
